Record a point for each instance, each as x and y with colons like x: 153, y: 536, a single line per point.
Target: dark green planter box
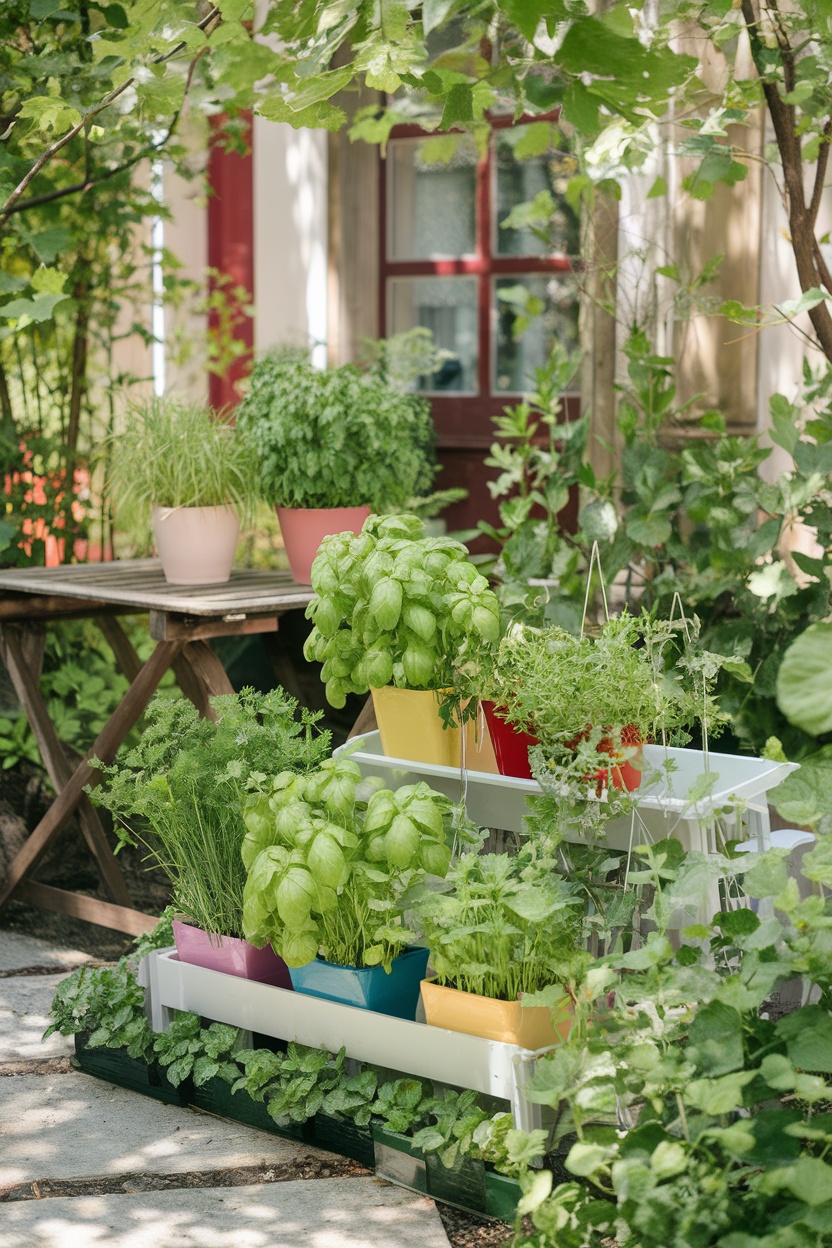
x: 501, y: 1196
x: 397, y: 1159
x: 117, y: 1067
x: 461, y: 1184
x: 216, y: 1097
x: 345, y: 1138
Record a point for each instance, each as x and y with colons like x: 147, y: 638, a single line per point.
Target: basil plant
x: 331, y: 874
x: 395, y: 607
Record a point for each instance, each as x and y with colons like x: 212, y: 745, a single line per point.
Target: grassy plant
x: 180, y: 792
x: 177, y: 454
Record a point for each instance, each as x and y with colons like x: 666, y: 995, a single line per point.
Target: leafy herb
x: 395, y: 607
x: 503, y: 925
x: 335, y: 437
x: 180, y: 792
x: 327, y: 872
x: 188, y: 1049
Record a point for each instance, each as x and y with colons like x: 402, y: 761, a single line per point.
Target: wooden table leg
x: 201, y: 676
x: 15, y: 642
x: 110, y: 738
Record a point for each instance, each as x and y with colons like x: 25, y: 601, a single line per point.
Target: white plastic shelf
x: 486, y: 1066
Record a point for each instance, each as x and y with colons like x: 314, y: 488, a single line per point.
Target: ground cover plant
x: 179, y: 792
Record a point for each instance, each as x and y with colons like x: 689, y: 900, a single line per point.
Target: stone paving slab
x: 19, y: 952
x: 24, y: 1016
x: 321, y: 1213
x: 71, y: 1126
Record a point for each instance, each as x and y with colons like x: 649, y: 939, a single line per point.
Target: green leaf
x: 804, y: 681
x: 719, y: 1096
x: 39, y: 309
x: 434, y: 13
x: 459, y: 106
x: 715, y: 1038
x: 808, y: 1035
x: 805, y: 796
x: 810, y: 1180
x: 323, y: 116
x: 648, y: 529
x: 658, y: 188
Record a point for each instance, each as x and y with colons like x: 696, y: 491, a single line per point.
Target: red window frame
x: 463, y: 421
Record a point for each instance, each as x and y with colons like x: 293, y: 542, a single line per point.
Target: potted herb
x: 190, y: 472
x: 581, y: 697
x: 179, y: 793
x: 501, y: 926
x: 329, y: 878
x: 332, y: 445
x: 398, y: 612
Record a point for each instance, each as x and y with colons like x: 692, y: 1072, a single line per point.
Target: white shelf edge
x: 486, y: 1066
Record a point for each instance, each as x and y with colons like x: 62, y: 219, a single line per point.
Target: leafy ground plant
x: 331, y: 874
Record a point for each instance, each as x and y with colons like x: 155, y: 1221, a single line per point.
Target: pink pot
x: 304, y: 529
x: 230, y: 955
x: 196, y: 544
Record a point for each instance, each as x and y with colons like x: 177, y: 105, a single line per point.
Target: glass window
x: 447, y: 306
x: 527, y: 176
x: 431, y: 197
x: 529, y: 313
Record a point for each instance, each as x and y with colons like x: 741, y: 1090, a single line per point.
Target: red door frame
x: 231, y: 248
x: 463, y: 422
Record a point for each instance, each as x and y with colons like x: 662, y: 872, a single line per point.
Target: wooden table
x: 182, y: 618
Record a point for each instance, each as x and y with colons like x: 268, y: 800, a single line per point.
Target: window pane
x: 531, y: 313
x: 523, y: 174
x: 447, y: 306
x: 431, y: 186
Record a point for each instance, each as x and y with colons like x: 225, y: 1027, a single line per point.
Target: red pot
x: 303, y: 529
x: 511, y: 745
x: 619, y: 773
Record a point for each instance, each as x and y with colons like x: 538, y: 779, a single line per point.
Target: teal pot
x: 134, y: 1073
x: 367, y: 987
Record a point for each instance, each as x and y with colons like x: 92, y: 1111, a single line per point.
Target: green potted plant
x: 332, y: 445
x: 190, y: 472
x: 329, y: 878
x: 581, y: 697
x: 179, y: 794
x: 398, y: 613
x: 500, y: 927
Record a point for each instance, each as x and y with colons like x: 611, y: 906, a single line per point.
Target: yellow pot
x: 411, y: 728
x: 530, y: 1027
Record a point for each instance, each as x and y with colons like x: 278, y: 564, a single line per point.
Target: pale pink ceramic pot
x: 304, y: 529
x: 230, y: 955
x: 196, y: 544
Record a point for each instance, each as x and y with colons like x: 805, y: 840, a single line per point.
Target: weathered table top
x: 139, y: 585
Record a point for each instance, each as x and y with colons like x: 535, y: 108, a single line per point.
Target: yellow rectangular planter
x: 411, y: 728
x: 508, y: 1021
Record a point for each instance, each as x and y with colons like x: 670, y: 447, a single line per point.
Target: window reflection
x: 528, y: 177
x: 431, y: 197
x: 447, y: 306
x: 529, y: 314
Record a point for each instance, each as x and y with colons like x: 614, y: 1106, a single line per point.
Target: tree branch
x: 820, y: 174
x: 88, y: 183
x: 89, y: 116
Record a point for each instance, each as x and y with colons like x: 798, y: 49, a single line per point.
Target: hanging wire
x: 594, y: 561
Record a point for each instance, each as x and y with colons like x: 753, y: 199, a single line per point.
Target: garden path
x: 84, y: 1163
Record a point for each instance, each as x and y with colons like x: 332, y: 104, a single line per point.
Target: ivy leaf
x: 322, y: 116
x: 39, y: 309
x: 527, y: 15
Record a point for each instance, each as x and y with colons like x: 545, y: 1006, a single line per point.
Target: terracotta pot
x: 411, y: 728
x: 196, y: 544
x: 511, y: 745
x: 507, y: 1021
x: 303, y: 529
x: 230, y: 956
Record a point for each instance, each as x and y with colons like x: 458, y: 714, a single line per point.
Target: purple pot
x: 230, y: 956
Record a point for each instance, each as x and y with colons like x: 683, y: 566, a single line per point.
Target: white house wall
x: 290, y: 237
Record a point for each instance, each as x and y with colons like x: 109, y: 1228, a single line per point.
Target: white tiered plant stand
x: 413, y: 1048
